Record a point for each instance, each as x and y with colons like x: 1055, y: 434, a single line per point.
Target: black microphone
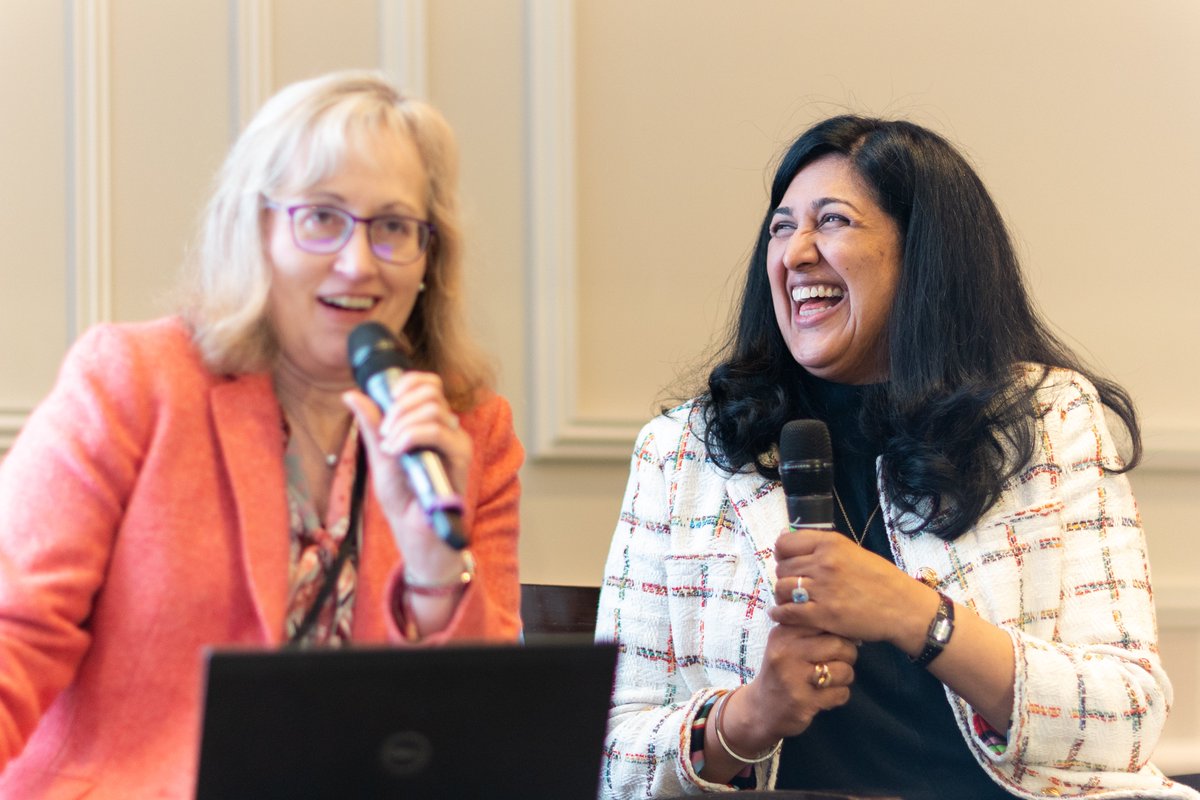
x: 806, y: 470
x: 378, y: 362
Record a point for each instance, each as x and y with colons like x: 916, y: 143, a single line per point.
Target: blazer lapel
x: 250, y: 430
x: 762, y: 509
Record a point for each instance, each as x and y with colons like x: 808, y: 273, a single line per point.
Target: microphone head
x: 805, y: 458
x: 372, y: 349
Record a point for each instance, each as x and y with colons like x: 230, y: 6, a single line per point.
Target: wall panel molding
x: 90, y: 171
x: 1171, y: 448
x: 87, y: 192
x: 558, y: 430
x: 11, y: 421
x: 1178, y: 756
x: 403, y: 48
x: 1177, y: 603
x: 252, y: 76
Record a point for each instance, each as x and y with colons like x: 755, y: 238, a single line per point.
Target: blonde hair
x: 297, y: 139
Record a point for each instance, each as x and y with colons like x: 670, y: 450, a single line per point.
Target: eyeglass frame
x: 429, y: 228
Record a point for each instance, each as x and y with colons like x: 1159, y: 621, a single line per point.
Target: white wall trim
x: 91, y: 143
x: 558, y: 430
x: 1171, y: 448
x: 253, y: 74
x: 1177, y: 604
x: 88, y: 192
x: 1178, y: 756
x: 403, y: 48
x: 11, y: 421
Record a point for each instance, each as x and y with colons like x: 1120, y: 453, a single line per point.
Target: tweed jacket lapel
x: 250, y: 430
x: 761, y: 507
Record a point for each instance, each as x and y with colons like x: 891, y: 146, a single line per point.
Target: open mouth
x: 348, y: 302
x: 815, y: 298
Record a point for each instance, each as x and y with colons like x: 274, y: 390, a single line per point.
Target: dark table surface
x: 785, y: 794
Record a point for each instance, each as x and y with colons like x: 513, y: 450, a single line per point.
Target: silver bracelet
x: 446, y: 588
x: 721, y: 738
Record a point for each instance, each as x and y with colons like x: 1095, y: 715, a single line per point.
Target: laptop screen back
x: 460, y: 721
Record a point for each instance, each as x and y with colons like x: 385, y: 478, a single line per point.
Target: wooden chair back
x: 551, y: 608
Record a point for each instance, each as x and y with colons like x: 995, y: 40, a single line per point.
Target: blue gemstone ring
x: 800, y: 594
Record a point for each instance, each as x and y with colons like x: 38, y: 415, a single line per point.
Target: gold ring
x: 820, y: 675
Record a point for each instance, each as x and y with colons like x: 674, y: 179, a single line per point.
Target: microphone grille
x: 373, y: 348
x: 805, y: 439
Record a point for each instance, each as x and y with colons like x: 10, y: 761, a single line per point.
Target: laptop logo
x: 405, y: 753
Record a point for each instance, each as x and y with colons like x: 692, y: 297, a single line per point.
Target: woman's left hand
x: 856, y: 594
x: 852, y: 592
x: 420, y: 418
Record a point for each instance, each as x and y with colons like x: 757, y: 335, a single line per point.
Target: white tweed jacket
x: 1059, y: 562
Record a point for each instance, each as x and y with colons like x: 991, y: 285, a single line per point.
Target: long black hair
x: 953, y: 421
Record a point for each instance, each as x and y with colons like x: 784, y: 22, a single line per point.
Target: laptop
x: 489, y: 721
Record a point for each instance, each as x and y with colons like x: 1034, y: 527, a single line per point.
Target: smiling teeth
x: 350, y: 302
x: 802, y: 293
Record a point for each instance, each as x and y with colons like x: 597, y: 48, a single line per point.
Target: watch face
x: 941, y: 630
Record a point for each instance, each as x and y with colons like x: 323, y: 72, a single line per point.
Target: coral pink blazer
x: 143, y: 517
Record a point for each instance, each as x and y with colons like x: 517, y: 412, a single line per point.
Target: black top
x: 897, y: 734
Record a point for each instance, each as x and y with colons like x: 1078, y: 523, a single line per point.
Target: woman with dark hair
x: 988, y: 550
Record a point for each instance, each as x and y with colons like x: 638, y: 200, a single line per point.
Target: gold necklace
x: 330, y: 458
x: 853, y: 533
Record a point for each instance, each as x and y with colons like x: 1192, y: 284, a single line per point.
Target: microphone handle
x: 810, y: 511
x: 442, y: 506
x: 425, y: 472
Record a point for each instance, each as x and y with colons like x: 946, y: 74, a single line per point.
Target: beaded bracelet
x: 699, y: 723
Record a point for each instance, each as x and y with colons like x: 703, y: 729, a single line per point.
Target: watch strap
x: 940, y: 630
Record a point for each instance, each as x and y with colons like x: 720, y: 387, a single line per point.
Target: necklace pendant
x: 331, y: 460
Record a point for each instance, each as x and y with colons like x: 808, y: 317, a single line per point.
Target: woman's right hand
x: 783, y: 698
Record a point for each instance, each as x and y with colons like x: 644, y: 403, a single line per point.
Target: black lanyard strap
x: 347, y: 549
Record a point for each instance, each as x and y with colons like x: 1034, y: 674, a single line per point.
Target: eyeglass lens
x: 325, y: 229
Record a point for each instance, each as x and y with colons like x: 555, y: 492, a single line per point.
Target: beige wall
x: 614, y: 161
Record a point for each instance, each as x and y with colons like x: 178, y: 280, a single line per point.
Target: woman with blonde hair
x: 215, y: 478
